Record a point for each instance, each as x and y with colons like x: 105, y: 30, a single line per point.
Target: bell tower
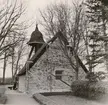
x: 36, y: 40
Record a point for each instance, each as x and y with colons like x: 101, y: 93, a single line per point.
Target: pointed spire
x: 36, y: 29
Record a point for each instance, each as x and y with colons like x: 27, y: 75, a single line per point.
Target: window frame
x: 58, y: 74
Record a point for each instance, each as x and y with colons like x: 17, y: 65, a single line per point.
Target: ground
x: 73, y: 100
x: 17, y: 98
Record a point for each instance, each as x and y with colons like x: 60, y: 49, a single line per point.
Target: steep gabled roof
x: 42, y: 50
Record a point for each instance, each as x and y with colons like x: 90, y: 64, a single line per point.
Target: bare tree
x: 62, y: 17
x: 10, y: 28
x: 20, y: 53
x: 9, y: 25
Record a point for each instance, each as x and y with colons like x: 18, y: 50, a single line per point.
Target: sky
x: 32, y: 11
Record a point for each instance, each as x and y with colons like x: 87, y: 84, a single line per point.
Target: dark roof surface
x: 36, y: 37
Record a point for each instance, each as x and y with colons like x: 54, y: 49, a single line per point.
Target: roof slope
x: 36, y: 56
x: 34, y: 59
x: 41, y: 51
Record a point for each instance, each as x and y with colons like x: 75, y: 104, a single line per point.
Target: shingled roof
x: 36, y: 37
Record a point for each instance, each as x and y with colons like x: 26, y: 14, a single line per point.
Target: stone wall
x: 42, y: 73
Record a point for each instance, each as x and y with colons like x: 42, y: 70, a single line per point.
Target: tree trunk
x: 4, y: 68
x: 77, y: 77
x: 104, y: 28
x: 17, y: 64
x: 12, y: 64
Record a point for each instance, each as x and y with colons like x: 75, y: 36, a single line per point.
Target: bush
x: 87, y: 89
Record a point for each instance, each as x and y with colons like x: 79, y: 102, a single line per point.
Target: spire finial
x: 36, y: 26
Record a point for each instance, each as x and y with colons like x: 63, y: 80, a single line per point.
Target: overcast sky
x: 33, y: 6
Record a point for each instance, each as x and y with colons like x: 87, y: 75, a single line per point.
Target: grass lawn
x: 73, y: 100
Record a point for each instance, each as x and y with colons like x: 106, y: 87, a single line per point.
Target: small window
x: 58, y: 74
